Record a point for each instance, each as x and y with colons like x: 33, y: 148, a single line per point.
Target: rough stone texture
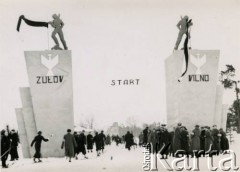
x: 28, y: 116
x: 22, y: 133
x: 191, y: 102
x: 52, y: 102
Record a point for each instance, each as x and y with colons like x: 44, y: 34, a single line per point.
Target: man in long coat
x: 208, y: 140
x: 15, y: 140
x: 128, y: 140
x: 177, y: 138
x: 5, y: 147
x: 145, y: 136
x: 154, y: 141
x: 69, y: 142
x: 97, y: 140
x: 195, y: 146
x: 103, y: 139
x: 202, y: 138
x: 164, y: 141
x: 76, y: 149
x: 216, y: 139
x: 224, y: 140
x: 185, y: 140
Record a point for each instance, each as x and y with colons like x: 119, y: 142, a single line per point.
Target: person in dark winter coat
x: 140, y: 139
x: 185, y: 141
x: 38, y: 141
x: 224, y: 140
x: 76, y: 149
x: 89, y: 142
x: 97, y: 140
x: 128, y: 140
x: 154, y: 141
x: 208, y: 140
x: 164, y: 141
x: 177, y: 138
x: 171, y: 134
x: 202, y: 138
x: 5, y: 148
x: 15, y: 140
x: 117, y: 140
x: 82, y: 143
x: 69, y: 142
x: 195, y: 138
x: 145, y: 136
x: 216, y: 139
x: 108, y: 140
x: 103, y: 139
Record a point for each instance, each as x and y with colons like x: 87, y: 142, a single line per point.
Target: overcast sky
x: 114, y: 39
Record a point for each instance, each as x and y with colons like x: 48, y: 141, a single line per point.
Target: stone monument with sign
x: 51, y: 95
x: 197, y: 99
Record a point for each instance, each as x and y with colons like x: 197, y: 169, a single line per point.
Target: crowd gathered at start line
x: 162, y: 141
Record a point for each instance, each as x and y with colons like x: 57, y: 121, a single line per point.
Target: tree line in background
x: 229, y: 81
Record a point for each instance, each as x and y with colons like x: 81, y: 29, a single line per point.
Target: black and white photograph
x: 120, y: 85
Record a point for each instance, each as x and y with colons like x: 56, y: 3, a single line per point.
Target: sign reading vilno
x: 198, y: 61
x: 49, y: 62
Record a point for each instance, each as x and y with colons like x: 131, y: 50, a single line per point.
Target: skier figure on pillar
x: 57, y: 24
x: 184, y: 28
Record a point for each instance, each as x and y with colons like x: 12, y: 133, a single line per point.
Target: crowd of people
x: 9, y: 144
x: 168, y: 143
x: 198, y: 142
x: 77, y: 143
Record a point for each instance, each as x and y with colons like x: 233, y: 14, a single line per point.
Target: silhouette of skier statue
x: 184, y: 28
x: 58, y: 24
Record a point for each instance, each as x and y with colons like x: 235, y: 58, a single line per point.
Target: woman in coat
x: 89, y: 142
x: 38, y: 141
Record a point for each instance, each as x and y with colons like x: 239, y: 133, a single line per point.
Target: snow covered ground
x: 114, y: 159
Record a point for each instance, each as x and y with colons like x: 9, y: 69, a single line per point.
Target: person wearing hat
x: 185, y: 140
x: 154, y: 140
x: 70, y: 143
x: 202, y: 138
x: 216, y: 139
x: 15, y: 140
x: 195, y: 136
x: 208, y: 140
x: 89, y: 142
x: 5, y: 147
x: 103, y: 139
x: 128, y: 140
x: 82, y: 143
x: 224, y: 140
x: 164, y: 140
x: 177, y: 138
x: 38, y: 141
x: 97, y: 141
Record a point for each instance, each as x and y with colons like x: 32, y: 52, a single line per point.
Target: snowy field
x: 114, y: 159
